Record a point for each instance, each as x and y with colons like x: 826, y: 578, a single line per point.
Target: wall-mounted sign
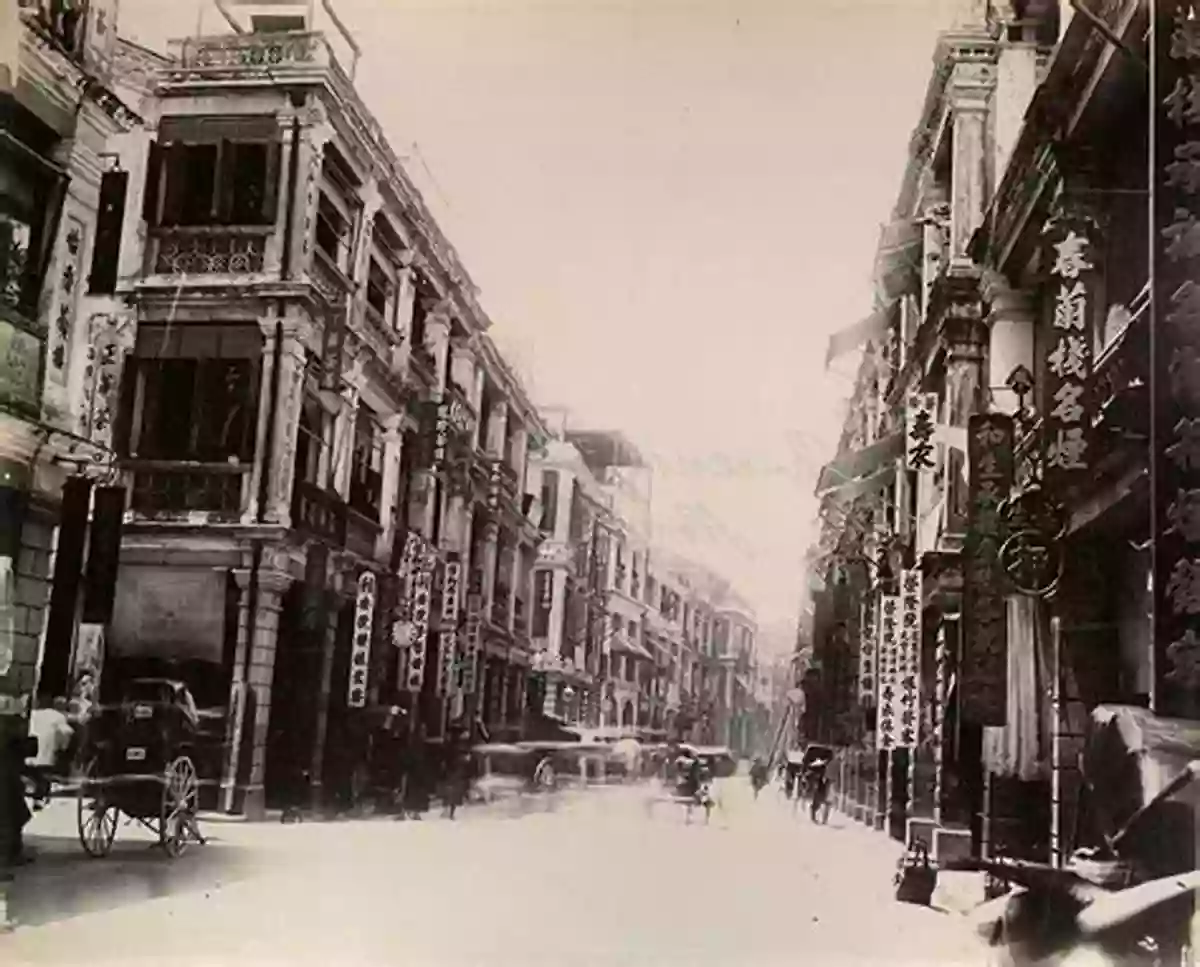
x: 868, y: 646
x: 1066, y: 403
x: 908, y: 679
x: 983, y: 684
x: 20, y: 369
x: 360, y: 643
x: 441, y: 435
x: 1175, y: 362
x: 448, y: 633
x: 888, y: 673
x: 919, y: 416
x: 471, y: 641
x: 422, y: 594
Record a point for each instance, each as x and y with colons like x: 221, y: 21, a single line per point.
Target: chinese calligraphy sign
x: 448, y: 626
x: 984, y: 672
x: 471, y: 637
x: 868, y: 646
x: 1175, y: 359
x: 908, y: 677
x: 360, y: 643
x: 421, y: 598
x: 1066, y: 404
x: 919, y: 418
x: 888, y: 674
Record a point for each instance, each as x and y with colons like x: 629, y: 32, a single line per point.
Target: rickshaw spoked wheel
x: 96, y: 819
x: 177, y: 820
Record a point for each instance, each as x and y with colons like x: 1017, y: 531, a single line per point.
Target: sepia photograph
x: 607, y: 483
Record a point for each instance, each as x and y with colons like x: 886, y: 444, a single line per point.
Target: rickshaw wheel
x: 96, y: 819
x: 177, y: 821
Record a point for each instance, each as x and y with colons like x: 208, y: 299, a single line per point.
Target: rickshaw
x: 1127, y: 893
x: 142, y: 763
x: 690, y: 790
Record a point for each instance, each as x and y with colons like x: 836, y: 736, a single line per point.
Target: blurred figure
x: 759, y: 775
x: 818, y: 787
x: 48, y: 724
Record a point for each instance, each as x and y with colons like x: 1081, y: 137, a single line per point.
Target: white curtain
x: 1017, y: 749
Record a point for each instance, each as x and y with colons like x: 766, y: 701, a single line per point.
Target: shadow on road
x: 64, y: 882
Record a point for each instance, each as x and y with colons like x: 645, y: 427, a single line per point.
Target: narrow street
x: 593, y: 882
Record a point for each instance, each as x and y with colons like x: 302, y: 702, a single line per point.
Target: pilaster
x: 316, y: 131
x: 497, y: 428
x: 1010, y: 321
x: 344, y: 426
x: 971, y: 84
x: 393, y: 446
x: 281, y: 460
x: 437, y: 341
x: 491, y: 546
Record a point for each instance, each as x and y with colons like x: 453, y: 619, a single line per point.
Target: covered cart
x: 142, y: 763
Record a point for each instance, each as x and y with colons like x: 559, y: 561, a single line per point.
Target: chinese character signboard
x: 422, y: 595
x: 868, y: 647
x: 448, y: 633
x: 543, y: 601
x: 1175, y: 361
x: 908, y: 660
x: 984, y: 674
x: 441, y: 436
x: 471, y: 636
x: 1071, y: 260
x: 919, y: 419
x: 887, y: 672
x: 360, y: 644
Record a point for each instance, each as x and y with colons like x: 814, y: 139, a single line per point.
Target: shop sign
x: 20, y: 369
x: 543, y: 601
x: 1175, y: 361
x: 471, y: 636
x: 448, y: 634
x: 886, y: 718
x: 984, y: 674
x: 919, y: 430
x: 360, y: 646
x: 422, y: 594
x: 908, y: 676
x: 868, y: 646
x: 1066, y: 403
x: 441, y: 436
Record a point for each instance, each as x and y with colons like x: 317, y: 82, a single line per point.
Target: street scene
x: 674, y: 481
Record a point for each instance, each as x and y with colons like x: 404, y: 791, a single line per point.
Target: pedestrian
x: 48, y: 724
x: 818, y: 785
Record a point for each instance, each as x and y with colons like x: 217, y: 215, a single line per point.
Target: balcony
x: 208, y: 250
x: 169, y: 489
x: 319, y: 513
x: 327, y: 278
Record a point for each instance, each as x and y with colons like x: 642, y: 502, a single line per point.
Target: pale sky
x: 668, y: 206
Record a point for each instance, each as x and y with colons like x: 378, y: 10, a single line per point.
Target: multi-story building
x: 1023, y: 317
x: 325, y: 455
x: 58, y: 110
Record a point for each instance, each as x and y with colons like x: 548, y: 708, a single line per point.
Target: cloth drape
x: 1019, y: 749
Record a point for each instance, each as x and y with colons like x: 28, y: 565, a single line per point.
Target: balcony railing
x: 319, y: 512
x: 242, y: 51
x: 208, y: 250
x: 170, y: 488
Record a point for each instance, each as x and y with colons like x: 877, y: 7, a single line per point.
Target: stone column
x: 965, y: 338
x: 315, y: 132
x: 257, y: 637
x: 970, y: 89
x: 462, y: 367
x: 393, y: 445
x: 280, y: 463
x: 344, y: 426
x: 437, y: 341
x: 491, y: 541
x: 521, y: 458
x: 496, y: 429
x: 1010, y: 320
x: 273, y: 254
x: 1016, y: 80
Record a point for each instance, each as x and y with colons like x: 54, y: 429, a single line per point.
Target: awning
x: 874, y: 326
x: 849, y: 492
x: 848, y: 467
x: 621, y: 642
x: 898, y: 259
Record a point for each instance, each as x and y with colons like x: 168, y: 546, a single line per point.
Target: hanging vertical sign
x: 908, y: 673
x: 918, y: 431
x: 441, y: 435
x: 983, y: 681
x: 941, y: 662
x: 495, y: 476
x: 360, y: 645
x: 1067, y: 389
x: 422, y: 593
x: 448, y: 631
x: 886, y: 717
x: 471, y: 635
x: 868, y: 647
x: 1175, y: 361
x: 543, y: 601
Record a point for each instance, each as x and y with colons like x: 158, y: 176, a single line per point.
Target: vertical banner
x: 471, y: 635
x: 441, y: 436
x: 868, y: 646
x: 360, y: 643
x: 1066, y: 403
x: 983, y: 675
x: 919, y: 416
x: 422, y: 594
x: 908, y: 676
x: 448, y: 625
x: 941, y: 658
x: 543, y: 602
x: 887, y: 672
x: 1175, y: 360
